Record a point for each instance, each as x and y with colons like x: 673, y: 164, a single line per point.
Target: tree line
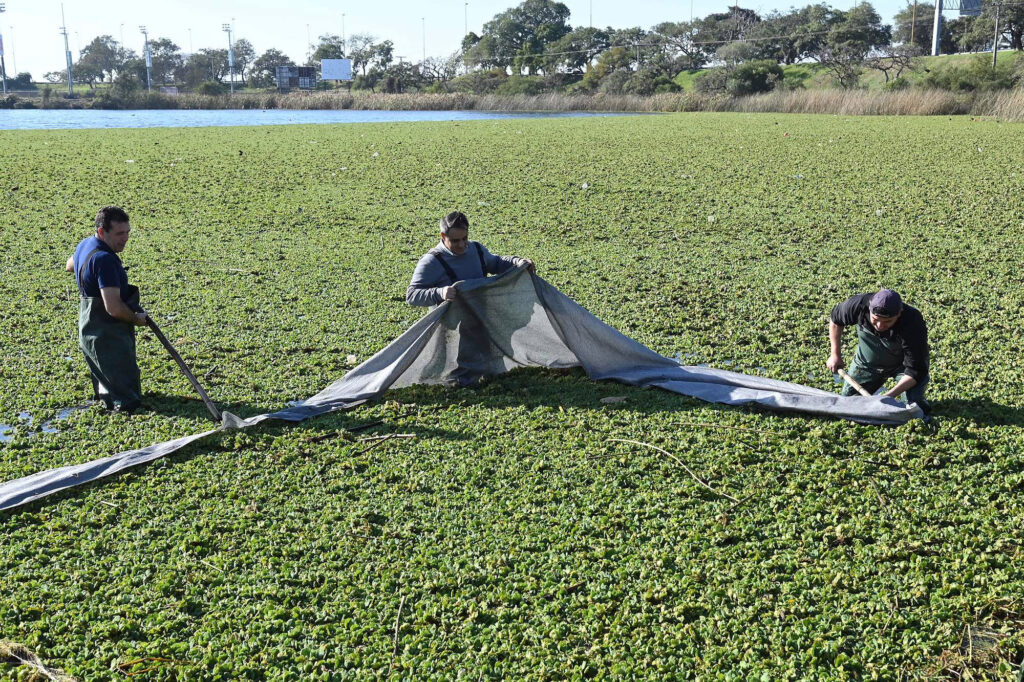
x: 532, y: 47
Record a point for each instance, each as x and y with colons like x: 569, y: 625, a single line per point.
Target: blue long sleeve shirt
x: 430, y: 276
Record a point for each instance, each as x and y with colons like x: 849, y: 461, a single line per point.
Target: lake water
x: 54, y: 119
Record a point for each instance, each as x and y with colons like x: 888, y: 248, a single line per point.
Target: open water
x: 54, y: 119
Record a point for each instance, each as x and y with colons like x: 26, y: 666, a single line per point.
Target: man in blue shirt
x: 108, y: 311
x: 453, y: 260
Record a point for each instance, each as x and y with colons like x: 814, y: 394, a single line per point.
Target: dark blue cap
x: 886, y: 303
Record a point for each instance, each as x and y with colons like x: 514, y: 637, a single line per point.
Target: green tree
x: 678, y: 40
x: 101, y: 56
x: 245, y: 55
x: 577, y: 49
x: 167, y: 59
x: 922, y: 23
x: 264, y: 68
x: 520, y: 35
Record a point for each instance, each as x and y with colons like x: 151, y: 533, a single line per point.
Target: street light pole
x: 231, y: 56
x: 14, y: 55
x: 149, y: 58
x: 3, y: 67
x: 344, y: 45
x: 424, y: 20
x: 995, y: 38
x: 67, y: 50
x: 465, y: 20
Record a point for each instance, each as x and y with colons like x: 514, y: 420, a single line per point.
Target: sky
x: 33, y: 43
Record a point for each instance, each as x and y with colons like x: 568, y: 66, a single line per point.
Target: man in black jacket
x: 892, y: 341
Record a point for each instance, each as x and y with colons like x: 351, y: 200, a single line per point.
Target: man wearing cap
x: 892, y: 341
x: 109, y: 312
x: 453, y: 260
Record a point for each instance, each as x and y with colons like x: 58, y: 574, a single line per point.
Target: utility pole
x: 424, y: 20
x: 913, y: 23
x: 231, y: 56
x: 149, y: 58
x: 995, y: 38
x: 344, y: 45
x: 3, y: 67
x: 465, y: 20
x: 937, y: 28
x: 14, y: 55
x: 67, y: 50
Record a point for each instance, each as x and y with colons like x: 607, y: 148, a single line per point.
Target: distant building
x: 295, y: 77
x: 970, y: 8
x: 169, y: 90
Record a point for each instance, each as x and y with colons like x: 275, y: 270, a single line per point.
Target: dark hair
x: 454, y: 220
x: 109, y: 215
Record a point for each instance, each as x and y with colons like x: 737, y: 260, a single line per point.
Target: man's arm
x: 496, y: 265
x: 421, y: 291
x: 117, y: 309
x: 835, y: 337
x: 902, y: 386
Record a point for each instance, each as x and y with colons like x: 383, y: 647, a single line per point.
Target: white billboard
x: 336, y: 70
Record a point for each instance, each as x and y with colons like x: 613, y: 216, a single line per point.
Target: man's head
x: 455, y: 232
x: 885, y: 307
x: 112, y: 227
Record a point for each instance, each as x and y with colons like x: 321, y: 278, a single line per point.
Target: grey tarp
x: 494, y: 325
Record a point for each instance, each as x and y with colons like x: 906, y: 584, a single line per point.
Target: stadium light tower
x: 149, y: 58
x: 67, y: 50
x: 231, y: 56
x: 3, y: 67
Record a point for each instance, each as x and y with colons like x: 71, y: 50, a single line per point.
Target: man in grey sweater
x: 456, y: 259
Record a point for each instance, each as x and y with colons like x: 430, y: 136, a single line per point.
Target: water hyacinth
x: 514, y: 536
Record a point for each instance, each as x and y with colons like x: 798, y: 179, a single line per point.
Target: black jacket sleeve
x: 914, y: 333
x: 850, y: 311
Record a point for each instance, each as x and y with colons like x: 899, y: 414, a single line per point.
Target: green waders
x: 109, y: 348
x: 877, y: 359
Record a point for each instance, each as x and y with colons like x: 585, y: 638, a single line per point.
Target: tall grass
x: 1007, y: 105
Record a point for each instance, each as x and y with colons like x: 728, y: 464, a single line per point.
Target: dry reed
x: 1005, y: 105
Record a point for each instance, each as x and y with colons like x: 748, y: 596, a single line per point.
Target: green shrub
x: 976, y: 74
x: 711, y: 81
x: 759, y: 75
x: 212, y: 88
x: 897, y: 84
x: 520, y: 85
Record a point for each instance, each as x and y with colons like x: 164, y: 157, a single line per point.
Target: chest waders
x: 108, y: 345
x: 473, y: 341
x: 877, y: 359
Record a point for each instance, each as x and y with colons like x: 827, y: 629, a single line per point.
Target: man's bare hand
x: 449, y: 293
x: 835, y: 363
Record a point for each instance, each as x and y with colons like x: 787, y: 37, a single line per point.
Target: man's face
x: 884, y: 324
x: 116, y: 236
x: 456, y: 241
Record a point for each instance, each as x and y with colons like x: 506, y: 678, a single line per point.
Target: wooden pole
x: 853, y: 382
x: 214, y: 412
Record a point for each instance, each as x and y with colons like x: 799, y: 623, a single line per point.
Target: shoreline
x: 1005, y: 105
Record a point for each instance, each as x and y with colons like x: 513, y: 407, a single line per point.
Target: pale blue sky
x: 33, y: 42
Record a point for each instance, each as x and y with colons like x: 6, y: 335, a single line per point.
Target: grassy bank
x: 1006, y: 105
x: 512, y: 538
